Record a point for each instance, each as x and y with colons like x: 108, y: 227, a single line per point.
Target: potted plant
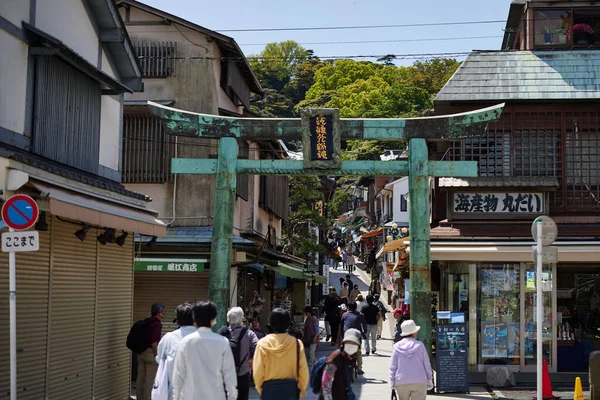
x: 581, y: 34
x: 549, y: 30
x: 562, y: 33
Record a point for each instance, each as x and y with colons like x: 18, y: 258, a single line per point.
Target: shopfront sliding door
x: 501, y: 299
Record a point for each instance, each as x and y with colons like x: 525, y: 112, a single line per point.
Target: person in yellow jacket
x: 280, y: 370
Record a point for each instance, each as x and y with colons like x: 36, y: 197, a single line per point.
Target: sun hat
x: 352, y: 335
x: 409, y: 327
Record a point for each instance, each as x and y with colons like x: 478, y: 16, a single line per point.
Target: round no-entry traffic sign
x: 20, y: 212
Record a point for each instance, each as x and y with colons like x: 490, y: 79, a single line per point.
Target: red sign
x: 20, y: 212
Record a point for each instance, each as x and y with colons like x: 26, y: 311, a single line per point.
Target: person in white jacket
x: 204, y: 368
x: 169, y: 344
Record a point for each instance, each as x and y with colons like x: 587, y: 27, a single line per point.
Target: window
x: 157, y: 59
x: 234, y: 84
x: 403, y: 203
x: 274, y: 195
x: 147, y: 150
x: 242, y: 180
x: 66, y: 115
x: 537, y: 144
x: 551, y: 26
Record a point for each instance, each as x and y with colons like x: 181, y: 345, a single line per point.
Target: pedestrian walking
x: 280, y: 371
x: 243, y: 342
x: 353, y: 294
x: 383, y: 310
x: 360, y: 302
x: 204, y: 368
x: 342, y: 309
x: 147, y: 365
x: 351, y: 262
x: 375, y: 287
x: 169, y: 344
x: 355, y: 320
x: 344, y: 259
x: 310, y: 336
x: 372, y: 315
x: 399, y: 317
x: 332, y: 321
x: 336, y: 380
x: 410, y: 369
x: 344, y: 291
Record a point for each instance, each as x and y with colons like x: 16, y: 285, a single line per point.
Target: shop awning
x: 372, y: 233
x: 256, y: 266
x: 318, y: 278
x: 290, y: 272
x: 395, y: 245
x: 95, y: 211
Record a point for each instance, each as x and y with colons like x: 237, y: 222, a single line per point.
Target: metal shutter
x: 112, y: 359
x: 71, y: 313
x: 32, y: 318
x: 169, y: 288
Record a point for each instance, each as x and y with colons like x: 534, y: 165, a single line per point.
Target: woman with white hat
x: 336, y: 380
x: 410, y: 369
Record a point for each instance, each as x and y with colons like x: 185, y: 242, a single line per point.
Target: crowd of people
x: 193, y: 362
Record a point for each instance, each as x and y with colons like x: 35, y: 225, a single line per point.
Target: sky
x: 237, y: 14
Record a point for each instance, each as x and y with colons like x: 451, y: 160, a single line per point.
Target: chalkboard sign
x: 452, y: 357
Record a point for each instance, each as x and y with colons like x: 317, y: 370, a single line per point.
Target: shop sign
x: 498, y: 203
x: 167, y: 265
x: 321, y: 138
x: 452, y: 358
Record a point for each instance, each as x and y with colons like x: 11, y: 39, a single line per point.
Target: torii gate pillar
x: 322, y: 132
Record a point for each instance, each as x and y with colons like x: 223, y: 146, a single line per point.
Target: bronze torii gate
x: 321, y: 131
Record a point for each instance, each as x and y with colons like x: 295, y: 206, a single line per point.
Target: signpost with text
x: 322, y: 131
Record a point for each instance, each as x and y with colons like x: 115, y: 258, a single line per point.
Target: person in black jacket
x: 332, y: 315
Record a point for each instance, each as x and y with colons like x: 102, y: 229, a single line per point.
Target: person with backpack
x: 243, y: 342
x: 383, y: 310
x: 355, y: 320
x: 372, y: 316
x: 279, y: 368
x: 169, y: 344
x: 143, y: 340
x: 204, y: 368
x: 332, y: 315
x: 330, y: 377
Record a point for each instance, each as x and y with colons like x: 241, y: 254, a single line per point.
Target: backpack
x: 137, y: 339
x: 316, y: 374
x: 236, y: 348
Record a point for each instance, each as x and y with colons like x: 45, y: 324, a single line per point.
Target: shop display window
x: 499, y: 308
x: 530, y: 317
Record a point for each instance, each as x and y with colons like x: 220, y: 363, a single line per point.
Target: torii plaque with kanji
x: 322, y: 132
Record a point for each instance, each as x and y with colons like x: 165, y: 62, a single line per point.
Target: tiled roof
x: 193, y: 235
x: 525, y: 75
x: 68, y: 172
x: 503, y: 181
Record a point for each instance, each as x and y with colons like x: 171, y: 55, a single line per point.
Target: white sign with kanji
x: 20, y: 241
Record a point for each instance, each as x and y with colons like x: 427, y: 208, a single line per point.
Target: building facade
x: 64, y: 70
x: 540, y: 158
x: 189, y: 67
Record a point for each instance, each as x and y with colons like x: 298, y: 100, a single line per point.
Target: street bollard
x: 595, y: 375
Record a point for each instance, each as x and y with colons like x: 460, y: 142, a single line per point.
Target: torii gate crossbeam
x: 418, y: 168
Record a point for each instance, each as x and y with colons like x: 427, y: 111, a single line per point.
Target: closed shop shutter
x: 32, y: 318
x: 113, y: 320
x: 71, y: 313
x: 169, y: 288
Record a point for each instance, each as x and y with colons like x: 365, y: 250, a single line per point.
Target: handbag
x: 283, y: 389
x: 160, y: 388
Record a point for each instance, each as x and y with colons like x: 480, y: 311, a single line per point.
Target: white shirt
x: 167, y: 348
x: 203, y: 365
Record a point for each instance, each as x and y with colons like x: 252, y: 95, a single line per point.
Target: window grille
x: 156, y: 59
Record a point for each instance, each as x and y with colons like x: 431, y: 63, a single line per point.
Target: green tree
x: 277, y: 64
x: 299, y: 232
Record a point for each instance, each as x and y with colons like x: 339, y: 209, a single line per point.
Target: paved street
x: 374, y: 384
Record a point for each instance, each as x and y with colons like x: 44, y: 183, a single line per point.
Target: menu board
x: 452, y: 358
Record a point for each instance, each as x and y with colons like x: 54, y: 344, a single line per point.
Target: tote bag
x: 160, y: 389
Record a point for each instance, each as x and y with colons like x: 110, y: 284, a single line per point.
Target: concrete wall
x: 68, y: 21
x: 161, y: 194
x: 13, y: 81
x: 15, y: 11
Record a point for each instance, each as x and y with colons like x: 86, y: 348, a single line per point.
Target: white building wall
x: 107, y: 68
x: 400, y: 189
x: 15, y: 11
x: 68, y: 21
x: 13, y: 82
x: 110, y: 125
x: 160, y: 194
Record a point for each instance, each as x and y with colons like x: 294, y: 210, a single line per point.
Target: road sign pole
x: 12, y: 289
x: 540, y: 305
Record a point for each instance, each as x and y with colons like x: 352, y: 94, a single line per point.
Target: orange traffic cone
x: 578, y: 389
x: 546, y: 384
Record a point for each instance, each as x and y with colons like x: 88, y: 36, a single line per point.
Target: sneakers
x: 373, y: 352
x: 378, y: 337
x: 328, y: 337
x: 360, y: 372
x: 367, y: 354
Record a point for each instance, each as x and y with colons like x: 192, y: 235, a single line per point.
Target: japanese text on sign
x: 168, y: 266
x: 513, y: 203
x: 321, y: 137
x: 20, y: 241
